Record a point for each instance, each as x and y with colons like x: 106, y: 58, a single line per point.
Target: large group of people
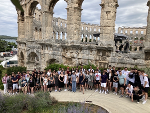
x: 133, y: 84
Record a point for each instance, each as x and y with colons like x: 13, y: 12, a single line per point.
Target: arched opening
x: 57, y: 7
x: 51, y: 61
x: 35, y: 13
x: 140, y: 49
x: 33, y: 7
x: 86, y: 6
x: 21, y: 58
x: 32, y: 57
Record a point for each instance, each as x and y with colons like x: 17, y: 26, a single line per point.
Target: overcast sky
x: 131, y: 13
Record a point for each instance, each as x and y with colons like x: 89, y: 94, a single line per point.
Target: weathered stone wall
x: 43, y: 39
x: 136, y: 34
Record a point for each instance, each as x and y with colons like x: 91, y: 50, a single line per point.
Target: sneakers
x: 65, y: 90
x: 100, y: 91
x: 127, y: 96
x: 105, y: 93
x: 116, y: 93
x: 144, y: 101
x: 55, y: 90
x: 143, y: 98
x: 96, y: 90
x: 121, y: 96
x: 13, y: 93
x: 137, y: 102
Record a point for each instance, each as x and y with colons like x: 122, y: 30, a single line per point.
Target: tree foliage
x: 6, y: 46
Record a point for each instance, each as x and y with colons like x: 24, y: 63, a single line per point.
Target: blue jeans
x: 74, y: 86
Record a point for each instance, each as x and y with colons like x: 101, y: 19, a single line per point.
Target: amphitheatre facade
x: 43, y: 39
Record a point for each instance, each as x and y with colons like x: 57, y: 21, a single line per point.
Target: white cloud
x: 131, y: 13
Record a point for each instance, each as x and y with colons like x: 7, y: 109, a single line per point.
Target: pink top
x: 4, y: 79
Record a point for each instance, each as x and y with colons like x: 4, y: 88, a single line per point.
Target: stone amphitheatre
x: 43, y: 39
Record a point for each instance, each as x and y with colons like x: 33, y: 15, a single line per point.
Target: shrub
x: 18, y: 103
x: 88, y: 66
x: 56, y: 67
x: 1, y: 84
x: 15, y: 70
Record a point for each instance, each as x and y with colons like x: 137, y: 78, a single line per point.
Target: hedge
x: 15, y: 70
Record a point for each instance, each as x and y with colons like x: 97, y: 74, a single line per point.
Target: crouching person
x: 24, y: 85
x: 137, y: 94
x: 129, y: 90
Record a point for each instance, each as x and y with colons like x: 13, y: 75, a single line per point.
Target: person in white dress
x: 45, y: 82
x: 66, y: 80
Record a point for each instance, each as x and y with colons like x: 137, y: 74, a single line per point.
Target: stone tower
x: 147, y: 40
x: 107, y: 22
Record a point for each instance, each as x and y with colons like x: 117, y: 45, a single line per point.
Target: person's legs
x: 25, y: 90
x: 83, y: 88
x: 5, y: 88
x: 74, y: 86
x: 44, y: 88
x: 122, y: 90
x: 13, y: 88
x: 32, y: 90
x: 80, y: 87
x: 110, y: 85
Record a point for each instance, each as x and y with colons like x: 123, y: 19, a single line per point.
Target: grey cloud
x: 129, y: 13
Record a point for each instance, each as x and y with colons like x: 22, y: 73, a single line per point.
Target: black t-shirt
x: 113, y: 72
x: 138, y: 92
x: 24, y: 82
x: 137, y: 78
x: 14, y: 79
x: 131, y: 75
x: 115, y: 77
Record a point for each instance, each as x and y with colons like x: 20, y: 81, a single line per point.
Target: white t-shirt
x: 90, y: 70
x: 77, y: 74
x: 97, y: 75
x: 130, y: 89
x: 141, y: 79
x: 59, y: 72
x: 146, y: 80
x: 48, y: 73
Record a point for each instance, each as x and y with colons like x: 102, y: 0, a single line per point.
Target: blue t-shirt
x: 121, y: 79
x: 104, y: 78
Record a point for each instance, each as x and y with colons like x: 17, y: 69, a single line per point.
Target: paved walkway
x: 111, y: 102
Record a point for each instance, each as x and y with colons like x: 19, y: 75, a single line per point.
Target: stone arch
x: 32, y: 7
x: 21, y: 58
x: 51, y: 61
x: 52, y: 4
x: 79, y: 2
x: 33, y: 57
